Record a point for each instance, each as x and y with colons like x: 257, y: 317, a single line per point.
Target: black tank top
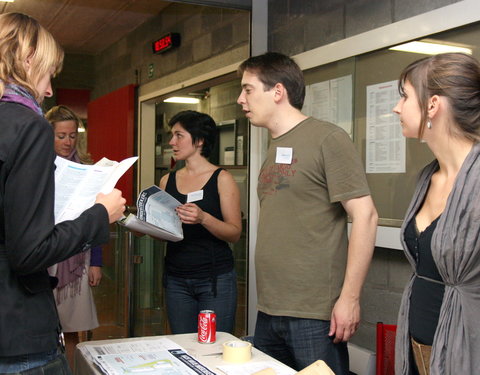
x: 200, y: 254
x: 427, y: 296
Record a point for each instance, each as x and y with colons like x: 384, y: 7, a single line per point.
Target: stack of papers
x: 150, y: 357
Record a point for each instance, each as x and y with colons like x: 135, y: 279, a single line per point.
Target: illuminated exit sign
x: 166, y: 43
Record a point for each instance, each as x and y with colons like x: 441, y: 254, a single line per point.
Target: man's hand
x: 345, y: 319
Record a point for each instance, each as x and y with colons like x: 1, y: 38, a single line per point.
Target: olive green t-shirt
x: 301, y: 248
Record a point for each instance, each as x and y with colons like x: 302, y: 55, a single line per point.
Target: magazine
x: 156, y: 215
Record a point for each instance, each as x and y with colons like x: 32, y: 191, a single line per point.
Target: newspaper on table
x: 156, y: 215
x: 153, y: 357
x: 77, y: 185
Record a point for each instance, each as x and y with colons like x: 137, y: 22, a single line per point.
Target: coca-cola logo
x: 203, y: 325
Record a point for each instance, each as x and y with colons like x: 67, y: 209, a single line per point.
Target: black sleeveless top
x: 427, y: 296
x: 200, y: 254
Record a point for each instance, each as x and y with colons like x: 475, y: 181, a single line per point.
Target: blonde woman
x: 30, y: 242
x: 75, y: 304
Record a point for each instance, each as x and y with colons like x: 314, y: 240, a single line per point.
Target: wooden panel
x: 111, y: 127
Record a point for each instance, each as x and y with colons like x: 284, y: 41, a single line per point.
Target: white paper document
x: 156, y: 215
x: 331, y: 101
x: 385, y: 145
x: 161, y: 356
x: 77, y: 185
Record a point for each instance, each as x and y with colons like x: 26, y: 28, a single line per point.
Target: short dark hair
x: 200, y: 126
x: 272, y: 68
x: 455, y: 76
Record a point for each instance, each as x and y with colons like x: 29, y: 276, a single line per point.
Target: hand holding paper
x: 114, y: 204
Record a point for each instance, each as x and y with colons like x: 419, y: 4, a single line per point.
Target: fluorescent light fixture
x: 429, y: 48
x: 182, y: 100
x: 7, y: 1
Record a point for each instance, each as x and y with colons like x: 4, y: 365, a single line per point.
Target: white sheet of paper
x: 77, y: 185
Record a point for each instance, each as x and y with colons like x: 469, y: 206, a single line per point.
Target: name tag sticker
x: 284, y: 155
x: 195, y: 196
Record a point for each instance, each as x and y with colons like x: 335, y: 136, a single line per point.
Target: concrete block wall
x: 297, y: 26
x: 223, y: 101
x: 382, y: 293
x: 205, y: 32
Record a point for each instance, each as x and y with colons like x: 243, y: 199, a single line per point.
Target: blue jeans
x: 299, y: 342
x: 52, y: 362
x: 187, y: 297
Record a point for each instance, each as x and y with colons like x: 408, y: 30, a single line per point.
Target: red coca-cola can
x: 207, y: 327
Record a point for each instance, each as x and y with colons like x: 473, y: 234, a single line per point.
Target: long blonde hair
x: 63, y: 113
x: 23, y: 39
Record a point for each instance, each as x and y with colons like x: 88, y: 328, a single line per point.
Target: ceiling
x: 90, y: 26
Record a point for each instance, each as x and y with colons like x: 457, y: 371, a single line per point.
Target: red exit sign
x: 166, y: 43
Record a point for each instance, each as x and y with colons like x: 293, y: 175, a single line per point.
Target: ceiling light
x: 7, y: 1
x: 430, y: 48
x: 182, y: 99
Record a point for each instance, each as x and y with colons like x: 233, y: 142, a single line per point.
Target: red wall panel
x: 111, y: 127
x: 76, y: 99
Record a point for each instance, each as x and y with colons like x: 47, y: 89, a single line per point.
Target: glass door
x: 130, y: 299
x: 219, y: 100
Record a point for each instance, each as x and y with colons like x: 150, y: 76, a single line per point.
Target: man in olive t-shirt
x: 309, y: 275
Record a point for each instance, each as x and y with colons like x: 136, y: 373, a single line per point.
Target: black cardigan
x: 30, y: 242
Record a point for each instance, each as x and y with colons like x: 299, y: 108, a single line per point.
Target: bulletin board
x: 391, y: 192
x: 392, y: 186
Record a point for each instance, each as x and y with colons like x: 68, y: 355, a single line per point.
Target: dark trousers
x: 187, y: 297
x: 299, y: 342
x: 57, y: 366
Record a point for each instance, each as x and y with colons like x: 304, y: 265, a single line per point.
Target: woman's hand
x: 94, y: 275
x: 190, y: 213
x: 114, y: 204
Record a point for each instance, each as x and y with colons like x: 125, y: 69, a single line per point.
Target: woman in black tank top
x: 199, y: 270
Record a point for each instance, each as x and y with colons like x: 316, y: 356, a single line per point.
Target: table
x: 209, y: 355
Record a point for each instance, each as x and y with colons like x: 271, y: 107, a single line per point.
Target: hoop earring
x: 429, y: 124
